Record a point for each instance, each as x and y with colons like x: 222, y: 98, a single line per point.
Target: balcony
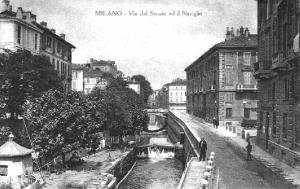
x: 212, y: 88
x: 242, y: 87
x: 278, y: 63
x: 262, y: 69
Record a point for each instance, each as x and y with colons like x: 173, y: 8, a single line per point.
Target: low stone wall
x: 120, y: 169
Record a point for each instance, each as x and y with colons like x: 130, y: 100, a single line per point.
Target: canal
x: 158, y: 171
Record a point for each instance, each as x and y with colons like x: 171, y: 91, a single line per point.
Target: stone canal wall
x: 179, y: 133
x: 121, y: 167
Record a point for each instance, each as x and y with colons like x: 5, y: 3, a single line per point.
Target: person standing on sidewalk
x: 249, y: 150
x: 203, y: 149
x: 215, y: 122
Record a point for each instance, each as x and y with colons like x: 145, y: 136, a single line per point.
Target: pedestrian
x: 249, y: 150
x: 202, y: 148
x: 215, y: 122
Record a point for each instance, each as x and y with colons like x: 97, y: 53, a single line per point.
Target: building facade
x: 176, y: 94
x: 20, y: 30
x: 278, y: 75
x: 220, y: 83
x: 85, y: 77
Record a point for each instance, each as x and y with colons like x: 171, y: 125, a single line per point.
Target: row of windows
x: 274, y: 127
x: 61, y: 67
x: 25, y: 38
x: 177, y: 100
x: 177, y: 93
x: 56, y: 47
x: 284, y: 89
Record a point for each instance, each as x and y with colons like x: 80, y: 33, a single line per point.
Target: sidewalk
x: 291, y: 174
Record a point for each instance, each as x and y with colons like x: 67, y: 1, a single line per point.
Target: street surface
x: 235, y: 171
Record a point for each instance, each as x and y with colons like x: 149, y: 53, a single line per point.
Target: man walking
x: 249, y: 149
x: 215, y: 122
x: 203, y: 148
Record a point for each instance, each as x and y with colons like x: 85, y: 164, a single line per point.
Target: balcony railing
x: 242, y: 87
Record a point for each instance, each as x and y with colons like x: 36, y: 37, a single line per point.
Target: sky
x: 158, y: 47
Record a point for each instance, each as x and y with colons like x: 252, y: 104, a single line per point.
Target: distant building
x: 85, y: 77
x: 278, y: 74
x: 220, y: 83
x: 177, y: 94
x: 19, y: 30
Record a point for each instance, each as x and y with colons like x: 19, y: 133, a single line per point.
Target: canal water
x: 159, y: 171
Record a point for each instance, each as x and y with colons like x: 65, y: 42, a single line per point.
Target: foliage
x: 146, y: 89
x: 4, y: 132
x: 61, y: 123
x: 24, y: 75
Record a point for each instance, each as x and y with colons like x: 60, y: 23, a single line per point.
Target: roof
x: 177, y: 82
x: 12, y: 149
x: 93, y: 73
x: 47, y: 30
x: 12, y: 15
x: 235, y: 43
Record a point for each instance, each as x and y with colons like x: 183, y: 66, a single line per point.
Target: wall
x: 121, y: 168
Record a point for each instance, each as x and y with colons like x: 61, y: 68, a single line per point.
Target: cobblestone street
x: 235, y: 170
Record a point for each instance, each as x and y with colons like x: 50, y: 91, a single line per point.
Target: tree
x: 60, y: 123
x: 146, y: 89
x: 24, y: 75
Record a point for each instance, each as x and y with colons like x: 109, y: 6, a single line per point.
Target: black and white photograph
x: 149, y: 94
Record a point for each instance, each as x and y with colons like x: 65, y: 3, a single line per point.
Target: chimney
x: 10, y: 8
x: 227, y: 34
x: 232, y: 32
x: 19, y: 13
x: 33, y: 18
x: 4, y: 5
x: 247, y: 32
x: 53, y: 31
x: 63, y: 36
x: 27, y: 16
x: 242, y: 30
x: 44, y: 24
x: 238, y: 32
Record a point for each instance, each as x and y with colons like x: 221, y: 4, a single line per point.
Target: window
x: 286, y: 89
x: 53, y: 61
x: 19, y: 35
x: 58, y: 47
x: 229, y: 77
x: 284, y: 126
x: 170, y: 93
x: 63, y: 51
x: 229, y: 97
x: 274, y: 124
x: 35, y: 41
x: 247, y: 113
x: 87, y: 80
x: 74, y: 85
x: 49, y: 42
x: 273, y: 91
x: 247, y: 78
x: 228, y: 112
x: 54, y: 45
x: 3, y: 170
x: 57, y: 65
x: 247, y: 58
x: 43, y: 42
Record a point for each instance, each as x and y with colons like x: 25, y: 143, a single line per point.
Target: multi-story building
x: 85, y: 77
x: 20, y: 30
x: 220, y: 83
x: 176, y: 94
x: 278, y: 75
